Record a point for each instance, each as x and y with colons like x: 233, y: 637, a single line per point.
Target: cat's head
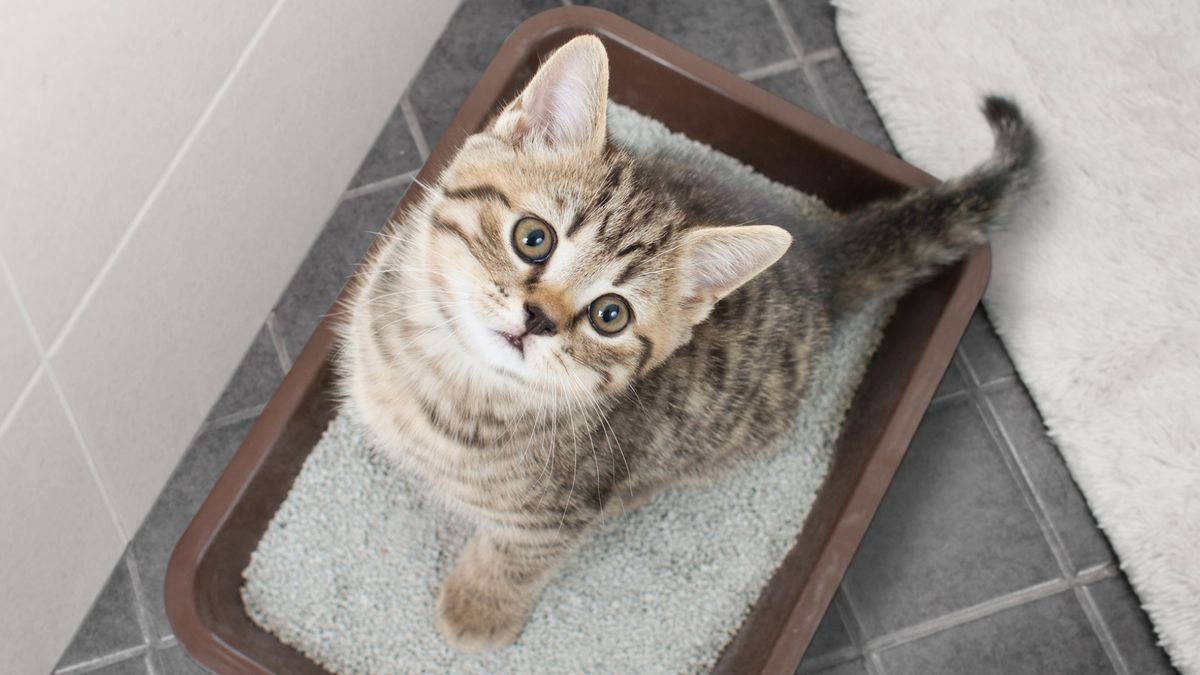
x: 553, y: 261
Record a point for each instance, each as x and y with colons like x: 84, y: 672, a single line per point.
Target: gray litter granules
x: 349, y: 569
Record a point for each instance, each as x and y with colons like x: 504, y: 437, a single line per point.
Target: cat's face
x: 553, y: 263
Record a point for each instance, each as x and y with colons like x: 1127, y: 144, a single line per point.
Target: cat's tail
x: 891, y: 245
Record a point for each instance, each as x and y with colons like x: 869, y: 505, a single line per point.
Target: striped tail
x: 892, y: 245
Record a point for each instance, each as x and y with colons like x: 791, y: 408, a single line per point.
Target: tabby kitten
x: 543, y: 339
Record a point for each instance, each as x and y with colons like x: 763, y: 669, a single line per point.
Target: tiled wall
x: 166, y: 165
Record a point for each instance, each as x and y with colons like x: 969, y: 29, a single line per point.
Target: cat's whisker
x: 605, y: 427
x: 574, y: 457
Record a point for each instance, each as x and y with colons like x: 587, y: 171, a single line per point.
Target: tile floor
x: 983, y: 557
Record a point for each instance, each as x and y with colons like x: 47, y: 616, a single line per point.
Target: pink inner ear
x: 560, y: 105
x: 723, y: 258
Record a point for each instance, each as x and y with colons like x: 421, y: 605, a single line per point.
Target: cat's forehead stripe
x: 601, y: 207
x: 483, y: 191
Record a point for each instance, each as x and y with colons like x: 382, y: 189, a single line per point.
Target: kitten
x: 561, y: 329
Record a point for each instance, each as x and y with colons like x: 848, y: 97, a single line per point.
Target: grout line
x: 837, y: 656
x: 1102, y: 630
x: 87, y: 454
x: 810, y: 72
x: 139, y: 596
x: 1020, y: 474
x: 1017, y: 468
x: 44, y: 367
x: 999, y: 383
x: 829, y: 660
x: 872, y: 663
x: 988, y: 608
x: 26, y: 390
x: 225, y: 420
x: 945, y: 399
x: 153, y: 663
x: 856, y: 631
x: 818, y: 87
x: 822, y: 55
x: 785, y: 25
x: 972, y: 374
x: 168, y: 641
x: 1098, y: 572
x: 101, y: 661
x: 777, y: 68
x: 163, y: 179
x: 1016, y: 465
x: 280, y: 345
x: 414, y: 126
x: 378, y: 185
x: 849, y: 615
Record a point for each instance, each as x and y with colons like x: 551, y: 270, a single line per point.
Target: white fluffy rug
x: 1096, y: 290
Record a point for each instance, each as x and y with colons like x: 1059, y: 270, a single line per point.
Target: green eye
x: 533, y: 240
x: 609, y: 314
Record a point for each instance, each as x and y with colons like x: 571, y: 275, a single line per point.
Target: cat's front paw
x: 474, y: 615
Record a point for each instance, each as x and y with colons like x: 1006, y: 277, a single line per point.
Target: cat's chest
x: 484, y: 458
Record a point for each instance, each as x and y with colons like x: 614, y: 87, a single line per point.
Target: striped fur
x: 537, y: 443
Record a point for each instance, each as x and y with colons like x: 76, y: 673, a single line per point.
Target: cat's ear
x: 717, y: 260
x: 563, y: 107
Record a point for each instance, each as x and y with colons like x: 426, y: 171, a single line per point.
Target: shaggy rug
x: 1096, y: 288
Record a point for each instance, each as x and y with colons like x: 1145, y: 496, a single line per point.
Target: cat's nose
x: 536, y: 321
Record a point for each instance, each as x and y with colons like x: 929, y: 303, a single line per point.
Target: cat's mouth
x: 517, y: 342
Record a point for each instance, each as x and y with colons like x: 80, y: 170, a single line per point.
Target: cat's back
x: 734, y: 386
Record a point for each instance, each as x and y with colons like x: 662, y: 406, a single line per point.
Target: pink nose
x: 536, y: 321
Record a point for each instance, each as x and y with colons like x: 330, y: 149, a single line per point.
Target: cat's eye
x: 609, y: 314
x: 533, y: 240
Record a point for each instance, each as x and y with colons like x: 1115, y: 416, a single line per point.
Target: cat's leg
x: 629, y: 497
x: 487, y: 595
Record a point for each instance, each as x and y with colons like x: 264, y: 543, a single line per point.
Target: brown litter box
x: 689, y: 95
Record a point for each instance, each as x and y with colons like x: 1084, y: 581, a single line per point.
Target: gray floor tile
x: 813, y: 22
x: 1062, y: 502
x: 793, y: 86
x: 952, y: 382
x: 175, y: 661
x: 465, y: 48
x: 330, y: 263
x: 735, y: 34
x: 831, y: 635
x: 1129, y: 627
x: 255, y: 379
x: 855, y: 667
x: 394, y: 152
x: 111, y: 625
x: 953, y: 530
x: 199, y: 469
x: 852, y: 110
x: 132, y: 666
x: 1051, y: 635
x: 985, y: 354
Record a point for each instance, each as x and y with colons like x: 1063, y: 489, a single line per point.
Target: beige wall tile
x: 57, y: 539
x: 151, y: 351
x: 107, y: 93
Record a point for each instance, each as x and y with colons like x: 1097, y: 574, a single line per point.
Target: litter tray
x: 779, y: 140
